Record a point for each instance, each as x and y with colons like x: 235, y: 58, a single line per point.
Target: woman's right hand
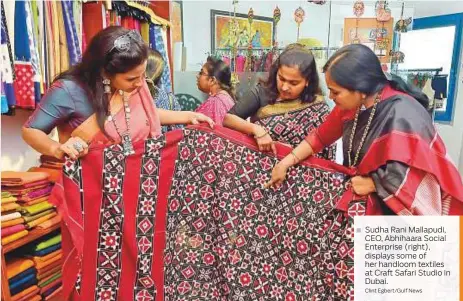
x: 75, y: 148
x: 263, y: 139
x: 278, y: 175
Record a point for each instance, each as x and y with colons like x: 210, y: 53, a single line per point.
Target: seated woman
x: 163, y: 99
x: 388, y: 136
x: 215, y: 79
x: 285, y: 107
x: 94, y: 101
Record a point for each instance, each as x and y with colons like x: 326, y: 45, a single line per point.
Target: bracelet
x: 261, y: 136
x: 297, y: 160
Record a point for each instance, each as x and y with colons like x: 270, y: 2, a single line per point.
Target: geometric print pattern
x: 109, y: 260
x: 228, y: 238
x: 145, y: 289
x: 292, y: 127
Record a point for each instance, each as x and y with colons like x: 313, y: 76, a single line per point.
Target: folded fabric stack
x: 51, y: 166
x: 47, y: 257
x: 25, y: 204
x: 37, y: 274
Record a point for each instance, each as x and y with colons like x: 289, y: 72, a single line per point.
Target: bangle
x: 261, y: 136
x: 297, y: 160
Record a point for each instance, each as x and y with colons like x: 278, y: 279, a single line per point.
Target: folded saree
x: 30, y: 290
x: 32, y: 297
x: 194, y: 221
x: 50, y: 223
x: 49, y: 270
x: 48, y: 243
x: 12, y: 230
x: 23, y: 284
x: 53, y: 171
x: 13, y: 222
x: 36, y: 208
x: 18, y: 265
x: 39, y: 264
x: 51, y: 287
x: 29, y: 271
x: 10, y: 216
x: 13, y: 237
x: 17, y: 178
x: 47, y: 257
x: 40, y: 220
x: 37, y: 193
x: 55, y: 293
x: 10, y: 199
x: 10, y: 207
x: 49, y: 279
x: 45, y: 251
x: 29, y: 218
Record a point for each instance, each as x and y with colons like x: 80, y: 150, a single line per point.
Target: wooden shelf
x: 33, y: 235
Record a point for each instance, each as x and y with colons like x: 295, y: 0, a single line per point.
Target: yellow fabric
x: 41, y: 264
x: 40, y: 220
x: 48, y: 256
x: 10, y: 207
x: 17, y: 265
x: 10, y: 199
x: 55, y: 31
x: 64, y: 52
x: 13, y: 237
x: 50, y: 223
x: 145, y: 31
x: 282, y: 107
x: 12, y: 222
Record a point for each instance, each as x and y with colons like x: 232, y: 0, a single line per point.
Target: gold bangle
x: 261, y: 136
x: 295, y: 157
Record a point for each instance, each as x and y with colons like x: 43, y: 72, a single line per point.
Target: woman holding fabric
x: 388, y: 136
x: 92, y: 104
x: 94, y: 101
x: 285, y: 107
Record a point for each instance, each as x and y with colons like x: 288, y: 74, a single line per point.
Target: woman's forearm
x: 175, y: 117
x: 300, y: 153
x: 40, y: 141
x: 238, y: 124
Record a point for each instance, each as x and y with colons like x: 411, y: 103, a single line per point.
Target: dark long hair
x: 357, y: 68
x: 297, y: 56
x: 221, y: 71
x: 101, y: 56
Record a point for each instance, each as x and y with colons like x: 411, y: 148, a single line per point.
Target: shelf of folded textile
x: 34, y: 270
x: 27, y: 217
x: 49, y: 165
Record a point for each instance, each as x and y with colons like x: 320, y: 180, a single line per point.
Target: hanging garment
x: 71, y: 32
x: 159, y: 45
x: 24, y: 85
x: 34, y: 51
x: 240, y: 61
x: 197, y: 233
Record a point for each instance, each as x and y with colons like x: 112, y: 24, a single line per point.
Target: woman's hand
x: 278, y: 175
x: 197, y: 118
x: 263, y: 139
x: 363, y: 185
x: 75, y: 148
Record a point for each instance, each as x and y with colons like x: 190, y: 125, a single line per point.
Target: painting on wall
x: 225, y: 33
x: 369, y: 32
x: 176, y: 18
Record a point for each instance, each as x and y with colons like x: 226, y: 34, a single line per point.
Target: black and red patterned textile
x: 187, y: 218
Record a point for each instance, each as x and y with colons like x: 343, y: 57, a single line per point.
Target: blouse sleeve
x: 248, y: 105
x: 55, y: 108
x: 329, y: 131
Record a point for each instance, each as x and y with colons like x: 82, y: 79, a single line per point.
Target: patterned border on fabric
x: 73, y: 170
x: 109, y: 259
x: 228, y: 238
x: 145, y: 289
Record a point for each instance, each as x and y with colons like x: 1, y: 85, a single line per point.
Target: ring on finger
x: 78, y: 146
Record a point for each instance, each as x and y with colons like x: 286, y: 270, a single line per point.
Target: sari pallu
x: 290, y: 122
x: 186, y: 217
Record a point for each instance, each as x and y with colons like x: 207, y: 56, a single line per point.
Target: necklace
x: 125, y: 136
x: 365, y: 133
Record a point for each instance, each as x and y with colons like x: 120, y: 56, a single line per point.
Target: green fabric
x: 48, y: 243
x: 47, y: 282
x: 31, y: 218
x: 5, y: 194
x: 188, y: 102
x: 36, y: 208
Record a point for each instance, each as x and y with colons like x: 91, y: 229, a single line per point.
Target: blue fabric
x: 22, y: 50
x: 3, y: 100
x: 51, y: 290
x: 9, y: 93
x: 71, y: 32
x: 159, y: 46
x: 22, y: 284
x: 47, y: 250
x: 26, y: 273
x: 37, y: 92
x: 162, y: 101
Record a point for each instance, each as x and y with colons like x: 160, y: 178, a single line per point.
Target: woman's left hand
x: 197, y: 118
x: 363, y: 185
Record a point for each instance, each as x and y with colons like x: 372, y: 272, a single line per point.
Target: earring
x: 106, y: 86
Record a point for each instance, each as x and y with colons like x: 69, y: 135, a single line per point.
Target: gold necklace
x: 365, y: 133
